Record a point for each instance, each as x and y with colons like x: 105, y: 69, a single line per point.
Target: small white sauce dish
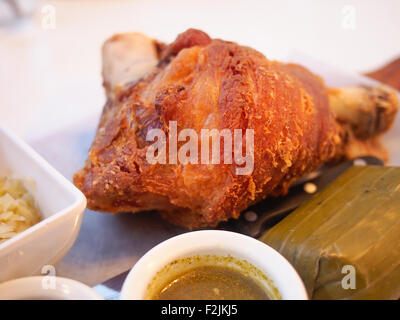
x: 61, y: 205
x: 46, y: 288
x: 215, y: 242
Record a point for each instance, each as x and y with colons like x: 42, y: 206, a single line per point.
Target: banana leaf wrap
x: 355, y: 221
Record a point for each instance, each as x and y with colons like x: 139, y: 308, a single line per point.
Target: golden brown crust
x: 204, y: 83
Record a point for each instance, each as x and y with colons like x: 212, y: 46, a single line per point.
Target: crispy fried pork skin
x: 209, y: 84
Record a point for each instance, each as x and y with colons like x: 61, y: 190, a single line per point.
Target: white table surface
x: 50, y: 78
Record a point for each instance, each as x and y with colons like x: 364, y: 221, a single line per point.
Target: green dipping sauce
x: 210, y: 277
x: 212, y: 283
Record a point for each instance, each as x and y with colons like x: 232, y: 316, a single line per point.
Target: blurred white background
x: 50, y: 63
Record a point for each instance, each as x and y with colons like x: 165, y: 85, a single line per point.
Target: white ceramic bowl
x: 46, y: 288
x: 59, y: 201
x: 215, y: 242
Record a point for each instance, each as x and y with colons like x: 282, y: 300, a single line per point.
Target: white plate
x: 46, y: 288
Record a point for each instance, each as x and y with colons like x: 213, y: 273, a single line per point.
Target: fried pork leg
x: 204, y: 83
